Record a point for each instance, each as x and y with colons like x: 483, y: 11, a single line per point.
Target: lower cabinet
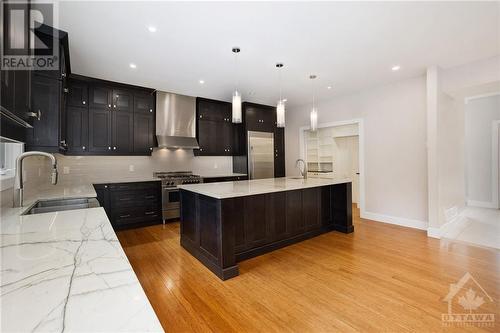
x: 224, y: 179
x: 131, y: 204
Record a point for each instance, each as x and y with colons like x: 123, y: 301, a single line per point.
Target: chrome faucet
x: 19, y: 191
x: 303, y: 171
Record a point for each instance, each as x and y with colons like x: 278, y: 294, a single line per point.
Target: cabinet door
x: 144, y: 130
x: 224, y: 138
x: 311, y: 208
x: 279, y: 152
x: 144, y: 103
x: 252, y: 119
x: 213, y: 110
x: 77, y: 94
x: 77, y: 126
x: 46, y: 95
x: 123, y: 132
x: 100, y: 97
x: 123, y: 100
x: 99, y: 130
x: 257, y: 226
x: 22, y: 95
x: 207, y: 138
x: 7, y: 89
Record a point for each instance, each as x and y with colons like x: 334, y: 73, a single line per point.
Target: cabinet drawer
x: 136, y: 217
x: 135, y: 186
x: 134, y: 198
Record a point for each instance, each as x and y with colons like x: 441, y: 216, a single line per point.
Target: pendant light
x: 314, y: 111
x: 236, y: 114
x: 280, y: 107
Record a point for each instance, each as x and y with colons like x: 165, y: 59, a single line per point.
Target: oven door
x: 170, y: 202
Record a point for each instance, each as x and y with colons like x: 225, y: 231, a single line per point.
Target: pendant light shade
x: 314, y: 119
x: 280, y: 107
x: 280, y: 114
x: 314, y: 111
x: 236, y: 114
x: 236, y: 107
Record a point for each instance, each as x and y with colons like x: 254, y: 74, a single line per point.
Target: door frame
x: 361, y: 152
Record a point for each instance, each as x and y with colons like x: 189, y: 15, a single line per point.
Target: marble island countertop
x: 66, y: 271
x: 224, y: 190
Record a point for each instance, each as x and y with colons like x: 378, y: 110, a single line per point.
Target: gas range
x: 172, y: 179
x: 170, y: 192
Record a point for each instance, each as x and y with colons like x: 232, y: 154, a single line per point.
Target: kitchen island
x: 224, y: 223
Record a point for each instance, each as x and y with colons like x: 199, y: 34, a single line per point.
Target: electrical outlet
x: 66, y: 170
x: 131, y: 168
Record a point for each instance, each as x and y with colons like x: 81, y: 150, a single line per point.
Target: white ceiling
x: 348, y: 45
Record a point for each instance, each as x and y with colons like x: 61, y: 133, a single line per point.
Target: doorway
x: 336, y: 150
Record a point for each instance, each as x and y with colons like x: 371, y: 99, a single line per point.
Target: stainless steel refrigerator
x: 260, y: 155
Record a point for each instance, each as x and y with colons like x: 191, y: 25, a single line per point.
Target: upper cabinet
x: 260, y: 118
x: 107, y: 118
x: 214, y: 128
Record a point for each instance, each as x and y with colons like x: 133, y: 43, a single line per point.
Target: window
x: 9, y: 151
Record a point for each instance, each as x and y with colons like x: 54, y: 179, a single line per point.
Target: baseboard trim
x: 434, y: 232
x: 482, y: 204
x: 401, y: 221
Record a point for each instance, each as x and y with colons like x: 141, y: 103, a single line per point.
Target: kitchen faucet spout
x: 18, y: 185
x: 303, y: 170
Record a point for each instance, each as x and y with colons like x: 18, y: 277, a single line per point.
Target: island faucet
x: 303, y: 171
x: 18, y: 192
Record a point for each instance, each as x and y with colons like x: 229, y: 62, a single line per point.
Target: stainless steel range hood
x: 176, y: 121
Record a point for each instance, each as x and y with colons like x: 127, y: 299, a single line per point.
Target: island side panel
x: 207, y: 232
x: 341, y: 204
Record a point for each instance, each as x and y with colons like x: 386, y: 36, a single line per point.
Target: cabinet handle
x: 105, y: 186
x: 201, y: 116
x: 109, y: 105
x: 83, y: 147
x: 65, y: 90
x: 63, y: 75
x: 201, y: 149
x: 114, y: 148
x: 151, y: 148
x: 126, y: 215
x: 150, y: 110
x: 149, y: 197
x: 38, y: 114
x: 125, y: 199
x: 109, y: 148
x: 114, y: 105
x: 83, y: 102
x: 149, y: 213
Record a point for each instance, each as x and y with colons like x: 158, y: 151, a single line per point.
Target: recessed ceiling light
x: 152, y: 29
x: 396, y: 68
x: 329, y: 87
x: 201, y: 82
x: 132, y: 65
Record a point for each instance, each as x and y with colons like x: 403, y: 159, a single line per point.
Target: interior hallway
x: 478, y: 226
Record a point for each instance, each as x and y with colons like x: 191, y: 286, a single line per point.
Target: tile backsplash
x: 89, y: 169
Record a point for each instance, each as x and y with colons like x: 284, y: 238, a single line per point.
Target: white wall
x: 395, y: 153
x: 479, y: 116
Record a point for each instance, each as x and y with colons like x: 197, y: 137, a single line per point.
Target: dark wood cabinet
x: 99, y: 130
x: 214, y: 128
x: 144, y: 129
x: 131, y: 204
x: 224, y: 179
x: 100, y: 97
x: 77, y: 126
x: 260, y: 118
x: 107, y: 118
x: 279, y: 152
x: 46, y: 105
x: 78, y: 94
x: 123, y: 132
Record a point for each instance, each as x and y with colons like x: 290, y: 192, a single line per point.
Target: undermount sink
x: 296, y: 177
x: 57, y: 205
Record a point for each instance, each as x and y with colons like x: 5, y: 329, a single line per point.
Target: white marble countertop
x: 224, y: 190
x: 217, y: 175
x: 66, y: 271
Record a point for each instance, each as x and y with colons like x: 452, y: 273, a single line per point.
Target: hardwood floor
x: 380, y: 278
